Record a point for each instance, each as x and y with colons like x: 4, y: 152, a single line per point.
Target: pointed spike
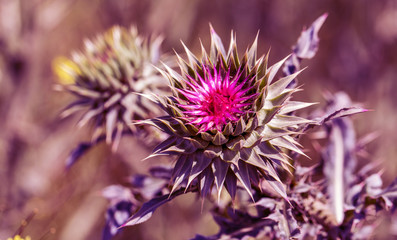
x: 279, y: 86
x: 219, y: 168
x: 231, y: 184
x: 240, y: 126
x: 274, y: 69
x: 182, y: 174
x: 192, y: 59
x: 269, y: 132
x: 219, y: 139
x: 216, y: 45
x: 291, y: 106
x: 283, y: 121
x: 200, y: 164
x: 243, y: 176
x: 89, y: 115
x: 111, y: 119
x: 206, y: 181
x: 283, y: 143
x: 252, y: 52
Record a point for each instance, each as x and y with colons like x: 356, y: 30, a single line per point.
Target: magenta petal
x: 216, y: 98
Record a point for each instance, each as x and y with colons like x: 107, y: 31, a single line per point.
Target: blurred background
x: 356, y: 55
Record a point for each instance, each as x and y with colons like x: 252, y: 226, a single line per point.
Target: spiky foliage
x: 228, y: 120
x: 108, y: 77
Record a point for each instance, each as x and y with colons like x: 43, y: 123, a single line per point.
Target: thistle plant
x: 229, y: 120
x: 107, y: 79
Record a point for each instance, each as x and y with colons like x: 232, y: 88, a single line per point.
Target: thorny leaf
x: 147, y: 209
x: 120, y: 208
x: 77, y: 153
x: 305, y: 48
x: 308, y: 42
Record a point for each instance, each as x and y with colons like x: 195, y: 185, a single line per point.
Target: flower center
x: 216, y: 100
x: 218, y: 105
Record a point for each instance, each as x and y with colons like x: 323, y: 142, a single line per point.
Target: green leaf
x: 199, y: 142
x: 279, y: 86
x: 267, y: 150
x: 257, y: 161
x: 274, y: 69
x: 213, y: 151
x: 283, y: 121
x: 252, y: 52
x: 229, y: 155
x: 216, y: 45
x: 219, y: 139
x: 245, y: 153
x: 280, y: 99
x: 261, y: 68
x: 252, y: 124
x: 270, y: 132
x: 291, y: 106
x: 192, y: 59
x: 206, y: 136
x: 228, y: 129
x: 252, y: 139
x: 236, y: 143
x: 266, y: 115
x: 240, y: 126
x: 283, y: 142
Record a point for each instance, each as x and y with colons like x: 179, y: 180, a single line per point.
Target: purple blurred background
x: 356, y: 55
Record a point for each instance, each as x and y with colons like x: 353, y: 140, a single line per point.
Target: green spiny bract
x: 228, y: 120
x: 109, y: 77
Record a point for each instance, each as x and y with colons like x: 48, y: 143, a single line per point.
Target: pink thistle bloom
x: 216, y: 99
x: 229, y: 120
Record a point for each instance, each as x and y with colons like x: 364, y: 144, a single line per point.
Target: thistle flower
x: 108, y: 77
x: 228, y: 120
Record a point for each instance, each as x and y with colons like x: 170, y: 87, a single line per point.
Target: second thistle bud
x: 108, y: 78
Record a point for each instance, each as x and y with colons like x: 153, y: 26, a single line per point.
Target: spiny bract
x: 108, y: 79
x: 228, y: 120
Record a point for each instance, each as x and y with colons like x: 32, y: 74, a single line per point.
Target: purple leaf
x: 120, y: 208
x: 163, y: 172
x: 391, y: 190
x: 146, y: 211
x: 231, y: 184
x: 219, y: 168
x: 308, y: 42
x: 77, y: 153
x: 305, y: 48
x: 343, y: 112
x: 206, y: 181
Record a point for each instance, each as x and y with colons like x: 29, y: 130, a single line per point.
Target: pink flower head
x: 216, y: 99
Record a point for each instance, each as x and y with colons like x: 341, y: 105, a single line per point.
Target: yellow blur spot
x: 65, y: 69
x: 17, y: 237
